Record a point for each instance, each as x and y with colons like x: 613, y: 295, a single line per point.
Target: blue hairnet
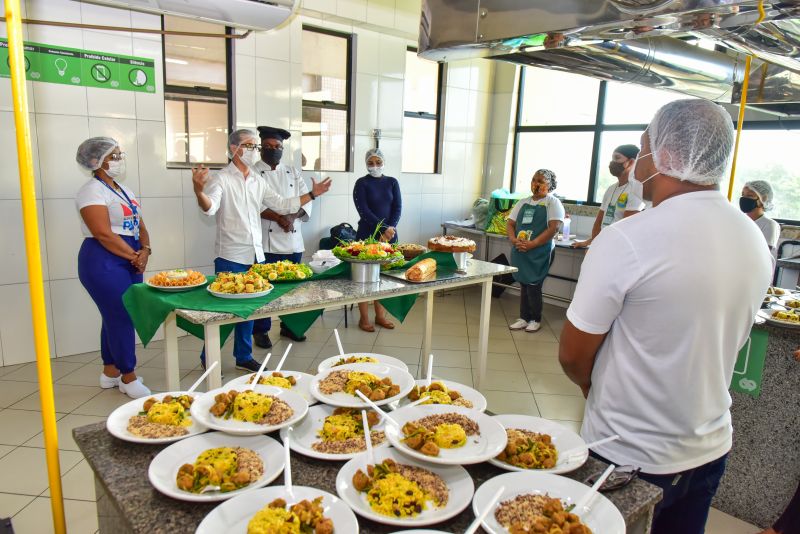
x: 92, y: 152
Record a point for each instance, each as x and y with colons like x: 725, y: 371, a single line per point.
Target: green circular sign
x: 27, y: 63
x: 101, y: 73
x: 137, y: 77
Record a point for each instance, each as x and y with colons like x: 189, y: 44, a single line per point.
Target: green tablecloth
x: 148, y: 307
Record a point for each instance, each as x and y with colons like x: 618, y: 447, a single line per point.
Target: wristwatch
x: 312, y: 195
x: 150, y: 250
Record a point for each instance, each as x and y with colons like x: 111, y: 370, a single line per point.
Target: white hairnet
x: 691, y: 140
x: 92, y: 152
x: 237, y: 137
x: 374, y: 152
x: 764, y: 192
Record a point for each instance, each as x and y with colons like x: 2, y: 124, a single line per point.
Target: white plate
x: 175, y: 289
x: 201, y: 407
x: 767, y: 314
x: 232, y: 517
x: 117, y: 422
x: 473, y: 395
x: 304, y: 435
x: 239, y: 295
x: 490, y: 441
x: 302, y: 387
x: 456, y: 477
x: 382, y: 358
x: 399, y: 376
x: 164, y: 467
x: 562, y: 437
x: 603, y: 519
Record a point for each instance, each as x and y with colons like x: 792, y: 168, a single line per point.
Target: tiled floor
x: 523, y: 377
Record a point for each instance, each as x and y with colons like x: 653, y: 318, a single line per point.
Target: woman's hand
x: 140, y: 261
x: 389, y: 233
x: 522, y: 245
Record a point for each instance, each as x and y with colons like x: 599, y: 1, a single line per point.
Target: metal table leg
x: 171, y: 353
x: 483, y: 331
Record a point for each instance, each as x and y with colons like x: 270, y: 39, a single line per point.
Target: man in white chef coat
x: 281, y: 235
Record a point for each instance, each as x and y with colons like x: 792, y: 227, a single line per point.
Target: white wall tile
x: 323, y: 6
x: 501, y: 122
x: 296, y: 103
x: 381, y: 12
x: 411, y: 184
x: 333, y: 209
x: 392, y: 56
x: 146, y: 21
x: 58, y: 137
x: 6, y: 100
x: 164, y: 220
x: 366, y: 103
x: 63, y: 236
x: 458, y: 74
x: 478, y: 116
x: 9, y: 172
x: 406, y: 16
x: 150, y: 106
x: 482, y: 74
x: 106, y: 16
x: 124, y: 132
x: 76, y: 321
x: 391, y: 152
x: 272, y: 93
x: 453, y: 158
x: 352, y: 9
x: 456, y: 119
x: 474, y: 162
x: 274, y: 44
x: 155, y: 180
x: 69, y: 37
x: 368, y: 53
x: 495, y: 169
x: 111, y: 103
x: 59, y: 99
x: 198, y: 234
x: 16, y: 324
x: 13, y: 259
x: 409, y: 225
x: 431, y: 215
x: 60, y: 10
x: 390, y: 107
x: 246, y: 46
x: 112, y: 43
x: 245, y: 92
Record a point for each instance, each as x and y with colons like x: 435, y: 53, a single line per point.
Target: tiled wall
x: 268, y: 73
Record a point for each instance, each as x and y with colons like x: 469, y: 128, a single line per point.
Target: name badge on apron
x: 527, y: 218
x: 608, y: 218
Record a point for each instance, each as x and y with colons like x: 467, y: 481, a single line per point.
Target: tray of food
x: 239, y: 286
x: 399, y: 491
x: 534, y: 445
x: 291, y: 380
x: 246, y: 410
x: 532, y: 498
x: 160, y: 418
x: 368, y: 251
x: 329, y: 433
x: 423, y: 271
x: 176, y: 280
x: 446, y: 434
x: 788, y: 318
x: 282, y: 271
x: 381, y: 383
x: 215, y: 466
x: 360, y: 357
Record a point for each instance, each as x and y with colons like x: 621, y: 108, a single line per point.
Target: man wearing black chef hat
x: 281, y: 235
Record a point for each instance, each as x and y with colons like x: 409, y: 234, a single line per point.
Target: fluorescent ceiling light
x: 176, y: 61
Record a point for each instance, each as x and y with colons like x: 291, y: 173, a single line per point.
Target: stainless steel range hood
x: 647, y: 42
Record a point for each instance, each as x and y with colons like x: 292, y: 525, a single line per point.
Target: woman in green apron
x: 531, y: 227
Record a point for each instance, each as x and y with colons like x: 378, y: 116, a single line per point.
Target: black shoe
x: 262, y: 340
x: 285, y: 332
x: 249, y: 365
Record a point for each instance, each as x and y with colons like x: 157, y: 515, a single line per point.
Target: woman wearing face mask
x: 113, y: 256
x: 531, y: 227
x: 377, y: 199
x: 756, y: 198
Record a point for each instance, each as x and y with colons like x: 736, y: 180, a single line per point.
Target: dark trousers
x: 106, y: 277
x: 530, y: 302
x: 789, y: 522
x: 687, y: 497
x: 262, y: 326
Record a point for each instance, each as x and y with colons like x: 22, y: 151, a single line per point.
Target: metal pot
x: 461, y: 260
x: 365, y: 273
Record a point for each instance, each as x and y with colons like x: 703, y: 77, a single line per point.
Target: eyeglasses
x: 620, y: 477
x: 118, y: 157
x: 250, y: 146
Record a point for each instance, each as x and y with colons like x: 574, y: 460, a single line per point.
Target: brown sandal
x: 366, y: 327
x: 384, y: 322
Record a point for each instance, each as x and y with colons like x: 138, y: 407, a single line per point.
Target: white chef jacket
x: 287, y: 182
x: 237, y: 203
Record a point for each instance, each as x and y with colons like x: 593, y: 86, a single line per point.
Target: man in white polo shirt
x: 664, y: 302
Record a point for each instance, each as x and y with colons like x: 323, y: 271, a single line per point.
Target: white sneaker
x: 533, y: 326
x: 135, y: 389
x: 519, y: 324
x: 107, y: 382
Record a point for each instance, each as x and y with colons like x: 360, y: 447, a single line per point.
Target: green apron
x: 534, y: 264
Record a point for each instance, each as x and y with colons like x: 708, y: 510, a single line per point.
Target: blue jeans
x: 243, y: 332
x: 687, y: 497
x: 262, y: 326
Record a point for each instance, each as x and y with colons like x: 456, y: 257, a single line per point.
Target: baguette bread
x: 421, y: 270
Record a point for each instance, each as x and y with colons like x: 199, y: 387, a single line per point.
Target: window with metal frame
x: 197, y: 93
x: 422, y: 103
x: 327, y: 98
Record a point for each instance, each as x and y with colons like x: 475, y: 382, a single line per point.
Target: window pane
x: 568, y: 154
x: 324, y: 67
x: 208, y: 132
x: 770, y: 156
x: 419, y: 145
x: 325, y: 143
x: 194, y: 61
x: 608, y: 142
x: 421, y: 84
x: 634, y: 104
x: 177, y: 147
x: 553, y: 98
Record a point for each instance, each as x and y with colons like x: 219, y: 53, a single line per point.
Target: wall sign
x: 70, y: 66
x: 749, y: 368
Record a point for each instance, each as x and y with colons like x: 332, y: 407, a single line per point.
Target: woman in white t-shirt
x: 531, y: 227
x: 113, y: 256
x: 757, y: 197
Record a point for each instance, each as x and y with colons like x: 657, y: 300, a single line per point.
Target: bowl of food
x: 282, y: 271
x: 411, y: 250
x: 320, y: 266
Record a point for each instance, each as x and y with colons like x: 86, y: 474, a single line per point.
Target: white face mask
x: 637, y: 187
x: 116, y: 168
x: 249, y: 157
x: 375, y: 172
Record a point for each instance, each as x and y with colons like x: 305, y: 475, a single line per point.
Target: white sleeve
x: 275, y: 202
x: 634, y: 203
x: 772, y: 232
x: 515, y: 210
x: 607, y: 198
x: 213, y: 191
x: 91, y: 195
x: 302, y: 190
x: 555, y: 210
x: 609, y: 270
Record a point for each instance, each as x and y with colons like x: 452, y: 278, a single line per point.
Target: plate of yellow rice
x: 301, y: 385
x: 161, y: 422
x: 336, y: 386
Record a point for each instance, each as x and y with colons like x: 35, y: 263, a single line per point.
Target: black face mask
x: 747, y: 204
x: 616, y: 168
x: 272, y: 156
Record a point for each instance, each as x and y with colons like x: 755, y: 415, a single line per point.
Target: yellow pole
x: 739, y: 125
x: 31, y: 224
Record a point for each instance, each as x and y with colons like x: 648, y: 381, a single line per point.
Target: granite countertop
x: 121, y: 468
x: 324, y: 293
